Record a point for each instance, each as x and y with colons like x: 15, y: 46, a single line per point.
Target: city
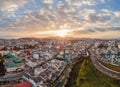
x: 59, y: 43
x: 47, y: 62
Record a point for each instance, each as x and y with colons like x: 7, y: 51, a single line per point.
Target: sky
x: 69, y: 18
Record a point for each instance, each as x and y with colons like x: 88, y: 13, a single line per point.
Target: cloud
x: 115, y: 22
x: 103, y: 1
x: 108, y: 29
x: 98, y: 18
x: 11, y: 5
x: 48, y: 1
x: 117, y: 14
x: 80, y: 16
x: 89, y: 2
x: 8, y: 10
x: 79, y: 3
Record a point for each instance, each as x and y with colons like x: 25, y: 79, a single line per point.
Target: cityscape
x: 59, y: 43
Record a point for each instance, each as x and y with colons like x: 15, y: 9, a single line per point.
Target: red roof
x: 24, y: 84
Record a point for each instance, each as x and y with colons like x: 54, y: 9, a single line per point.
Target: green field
x: 84, y: 74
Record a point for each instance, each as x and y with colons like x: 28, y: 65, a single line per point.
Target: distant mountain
x: 66, y: 38
x: 56, y: 37
x: 28, y: 38
x: 3, y: 39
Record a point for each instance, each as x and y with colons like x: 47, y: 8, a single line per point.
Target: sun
x: 62, y: 33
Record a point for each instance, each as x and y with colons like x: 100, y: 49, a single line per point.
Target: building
x: 24, y: 84
x: 13, y: 63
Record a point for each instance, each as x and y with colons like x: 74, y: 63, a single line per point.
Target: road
x: 90, y: 53
x: 10, y: 77
x: 59, y: 78
x: 102, y: 68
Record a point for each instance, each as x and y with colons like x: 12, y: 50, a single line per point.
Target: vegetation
x: 2, y: 69
x: 74, y: 75
x: 86, y: 75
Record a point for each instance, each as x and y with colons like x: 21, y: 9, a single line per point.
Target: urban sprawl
x: 47, y: 62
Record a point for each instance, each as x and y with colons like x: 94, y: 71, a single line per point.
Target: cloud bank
x: 82, y: 17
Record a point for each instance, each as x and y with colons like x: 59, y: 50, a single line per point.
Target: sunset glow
x: 63, y: 18
x: 61, y: 33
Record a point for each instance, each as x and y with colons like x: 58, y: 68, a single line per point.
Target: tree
x: 0, y: 55
x: 2, y: 69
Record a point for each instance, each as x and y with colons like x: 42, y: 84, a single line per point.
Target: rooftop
x: 15, y: 62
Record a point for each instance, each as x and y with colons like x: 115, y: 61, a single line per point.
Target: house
x: 24, y: 84
x: 13, y: 63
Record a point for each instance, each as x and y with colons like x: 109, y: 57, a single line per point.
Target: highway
x: 102, y: 68
x: 79, y: 58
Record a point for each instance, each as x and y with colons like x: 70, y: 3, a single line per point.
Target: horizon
x: 97, y: 19
x: 58, y: 37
